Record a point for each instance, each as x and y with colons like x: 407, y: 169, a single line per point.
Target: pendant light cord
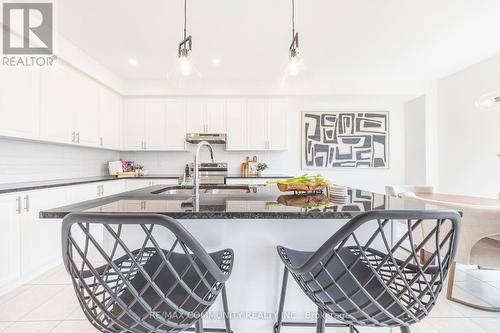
x: 293, y: 18
x: 185, y: 17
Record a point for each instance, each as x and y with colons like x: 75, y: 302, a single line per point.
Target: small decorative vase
x: 259, y: 173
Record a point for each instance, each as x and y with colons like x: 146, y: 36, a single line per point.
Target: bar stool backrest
x: 140, y: 273
x: 363, y: 277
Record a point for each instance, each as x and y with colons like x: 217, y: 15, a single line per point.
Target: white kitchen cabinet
x: 277, y: 124
x: 206, y: 115
x: 155, y: 124
x: 175, y: 133
x: 133, y: 124
x: 69, y: 107
x: 10, y: 242
x: 196, y: 120
x: 19, y: 102
x: 215, y: 115
x: 135, y: 184
x: 87, y: 105
x: 144, y: 124
x: 112, y: 187
x: 110, y: 119
x: 256, y: 124
x: 57, y: 112
x: 257, y: 112
x: 237, y: 128
x: 40, y: 238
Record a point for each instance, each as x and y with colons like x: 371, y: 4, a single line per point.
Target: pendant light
x: 489, y: 101
x: 184, y: 70
x: 295, y: 63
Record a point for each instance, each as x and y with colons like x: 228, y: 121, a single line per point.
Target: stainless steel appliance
x: 210, y: 173
x: 213, y: 138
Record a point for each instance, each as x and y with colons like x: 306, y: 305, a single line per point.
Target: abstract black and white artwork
x: 345, y: 139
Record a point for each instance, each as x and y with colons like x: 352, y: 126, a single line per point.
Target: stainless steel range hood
x: 213, y: 138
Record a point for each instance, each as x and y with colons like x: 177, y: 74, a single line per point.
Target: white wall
x: 289, y: 162
x: 23, y: 161
x: 415, y: 143
x: 469, y: 139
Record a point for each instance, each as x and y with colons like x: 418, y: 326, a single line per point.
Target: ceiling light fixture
x: 132, y: 61
x: 216, y: 61
x: 295, y: 64
x: 185, y: 47
x: 489, y: 101
x: 184, y: 69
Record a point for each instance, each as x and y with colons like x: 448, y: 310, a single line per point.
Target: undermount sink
x: 188, y: 190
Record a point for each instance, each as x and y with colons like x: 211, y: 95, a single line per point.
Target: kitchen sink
x: 216, y: 190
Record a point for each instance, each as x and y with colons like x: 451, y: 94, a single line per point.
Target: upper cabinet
x: 110, y: 116
x: 175, y: 134
x: 19, y: 102
x: 256, y: 124
x: 57, y: 105
x: 154, y: 124
x: 75, y: 109
x: 63, y: 105
x: 206, y: 115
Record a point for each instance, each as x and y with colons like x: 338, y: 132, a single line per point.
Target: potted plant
x: 261, y: 167
x: 139, y: 170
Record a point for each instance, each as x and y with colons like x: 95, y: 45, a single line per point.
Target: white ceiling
x: 341, y: 39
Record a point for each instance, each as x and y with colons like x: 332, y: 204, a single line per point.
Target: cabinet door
x: 87, y: 104
x: 112, y: 187
x: 40, y: 238
x: 257, y: 124
x: 10, y: 242
x: 133, y: 124
x: 196, y: 120
x: 216, y: 115
x: 277, y: 124
x: 57, y: 113
x: 175, y: 134
x: 155, y: 124
x: 19, y: 102
x: 135, y: 184
x: 110, y: 119
x: 236, y: 124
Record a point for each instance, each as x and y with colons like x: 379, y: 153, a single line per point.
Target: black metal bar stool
x: 148, y: 288
x: 370, y: 273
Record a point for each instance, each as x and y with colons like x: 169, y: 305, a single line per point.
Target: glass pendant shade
x: 184, y: 73
x: 489, y: 101
x: 295, y: 65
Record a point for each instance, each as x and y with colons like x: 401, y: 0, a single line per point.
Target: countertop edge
x: 32, y: 186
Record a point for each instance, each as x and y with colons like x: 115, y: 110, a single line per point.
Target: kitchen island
x: 251, y: 220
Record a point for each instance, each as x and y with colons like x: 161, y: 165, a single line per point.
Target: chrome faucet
x: 196, y: 167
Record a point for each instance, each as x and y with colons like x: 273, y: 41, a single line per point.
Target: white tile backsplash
x: 22, y: 161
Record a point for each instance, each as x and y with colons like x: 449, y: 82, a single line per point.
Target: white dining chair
x: 398, y: 190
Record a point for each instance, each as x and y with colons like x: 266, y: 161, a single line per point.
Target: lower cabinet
x: 10, y: 242
x: 135, y: 184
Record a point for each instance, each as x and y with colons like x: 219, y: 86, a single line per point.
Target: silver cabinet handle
x: 77, y: 137
x: 98, y: 190
x: 101, y: 141
x: 27, y: 203
x: 102, y: 189
x: 145, y: 145
x: 18, y: 205
x: 73, y: 137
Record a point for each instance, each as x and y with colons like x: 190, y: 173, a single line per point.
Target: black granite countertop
x: 232, y: 202
x: 38, y: 185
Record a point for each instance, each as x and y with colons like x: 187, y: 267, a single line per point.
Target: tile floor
x: 48, y: 305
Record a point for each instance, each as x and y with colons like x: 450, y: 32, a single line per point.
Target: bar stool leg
x: 405, y: 329
x: 277, y: 326
x: 198, y: 328
x: 320, y: 325
x: 226, y: 310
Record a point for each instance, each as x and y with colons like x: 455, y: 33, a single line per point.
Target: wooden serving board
x: 308, y: 187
